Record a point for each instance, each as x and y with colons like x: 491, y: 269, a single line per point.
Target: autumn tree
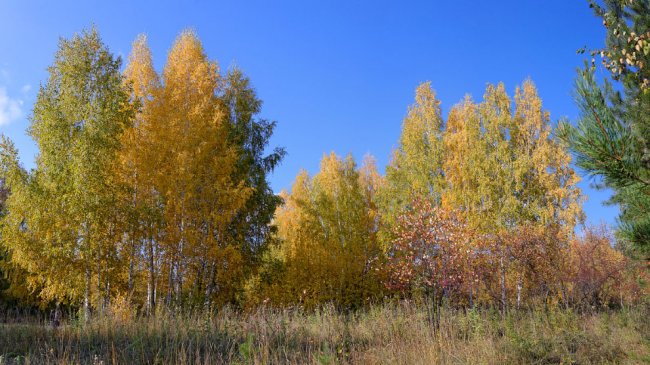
x: 195, y: 171
x: 327, y: 229
x: 504, y: 170
x: 193, y: 167
x: 464, y: 158
x: 538, y: 258
x: 140, y: 202
x: 60, y: 225
x: 416, y: 167
x: 600, y: 275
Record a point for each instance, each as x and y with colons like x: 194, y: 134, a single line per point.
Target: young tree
x: 538, y: 256
x: 431, y: 254
x: 600, y: 275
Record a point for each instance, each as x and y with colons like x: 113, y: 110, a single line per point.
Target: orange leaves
x: 601, y: 275
x: 178, y: 168
x: 327, y: 229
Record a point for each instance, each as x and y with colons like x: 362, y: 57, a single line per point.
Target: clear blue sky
x: 337, y: 76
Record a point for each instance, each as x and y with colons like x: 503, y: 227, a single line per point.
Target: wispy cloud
x: 26, y: 89
x: 10, y: 108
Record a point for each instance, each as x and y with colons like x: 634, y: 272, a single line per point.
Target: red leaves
x: 435, y: 251
x: 431, y: 250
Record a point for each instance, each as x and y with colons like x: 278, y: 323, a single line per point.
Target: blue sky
x: 336, y: 75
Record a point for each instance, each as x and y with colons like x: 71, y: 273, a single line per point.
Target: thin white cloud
x: 10, y: 108
x: 26, y: 88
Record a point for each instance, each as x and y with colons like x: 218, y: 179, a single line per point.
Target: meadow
x: 397, y: 333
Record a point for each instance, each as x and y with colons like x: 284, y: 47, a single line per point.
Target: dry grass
x: 388, y: 334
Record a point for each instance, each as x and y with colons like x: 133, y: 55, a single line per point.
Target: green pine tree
x: 611, y: 140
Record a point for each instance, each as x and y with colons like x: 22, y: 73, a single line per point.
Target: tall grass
x: 387, y: 334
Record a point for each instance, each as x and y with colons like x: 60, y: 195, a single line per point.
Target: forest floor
x: 387, y: 334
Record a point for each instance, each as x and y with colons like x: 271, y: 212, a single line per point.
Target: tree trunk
x: 179, y: 282
x: 131, y: 267
x: 56, y: 318
x: 503, y: 284
x: 209, y: 287
x: 86, y: 305
x: 471, y: 295
x: 200, y: 279
x: 148, y: 306
x: 170, y: 283
x: 519, y: 287
x: 151, y: 297
x: 107, y: 294
x: 100, y: 290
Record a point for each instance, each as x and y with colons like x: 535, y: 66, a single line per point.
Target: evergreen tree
x: 612, y: 138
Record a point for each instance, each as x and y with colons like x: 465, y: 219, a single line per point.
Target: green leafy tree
x: 60, y: 223
x: 250, y: 135
x: 14, y: 285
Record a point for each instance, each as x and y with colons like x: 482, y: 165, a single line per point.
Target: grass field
x: 388, y: 334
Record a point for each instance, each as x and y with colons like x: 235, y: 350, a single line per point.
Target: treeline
x: 477, y: 210
x: 150, y: 190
